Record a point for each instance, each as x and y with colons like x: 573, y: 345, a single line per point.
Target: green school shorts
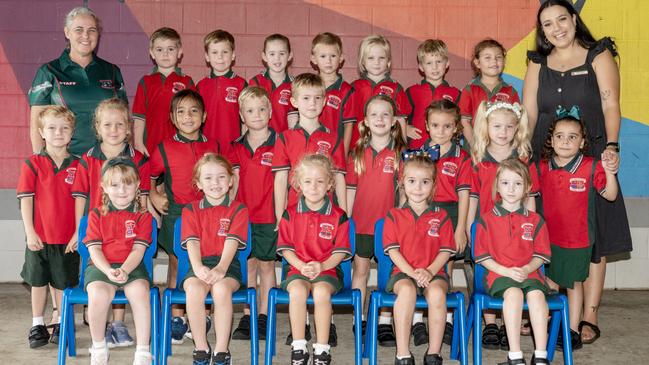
x: 94, y: 274
x: 335, y: 282
x: 51, y: 266
x: 234, y: 270
x: 503, y: 283
x: 264, y: 242
x: 365, y: 245
x: 401, y: 276
x: 166, y: 233
x: 569, y: 265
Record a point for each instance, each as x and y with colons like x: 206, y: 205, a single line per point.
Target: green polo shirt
x: 64, y: 82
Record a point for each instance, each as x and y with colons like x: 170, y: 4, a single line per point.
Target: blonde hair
x: 81, y: 10
x: 217, y: 36
x: 207, y: 158
x: 519, y: 168
x: 432, y: 47
x: 312, y: 160
x: 304, y: 80
x: 56, y: 111
x: 365, y: 136
x: 113, y: 104
x: 521, y: 141
x: 129, y: 175
x: 165, y: 33
x: 251, y: 92
x: 327, y: 39
x: 422, y: 162
x: 364, y: 49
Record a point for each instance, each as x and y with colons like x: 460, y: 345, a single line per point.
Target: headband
x: 563, y: 113
x: 431, y: 153
x: 126, y: 161
x: 491, y: 107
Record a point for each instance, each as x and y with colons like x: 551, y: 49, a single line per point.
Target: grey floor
x: 624, y: 324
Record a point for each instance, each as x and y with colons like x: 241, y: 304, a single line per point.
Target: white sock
x: 299, y: 345
x: 540, y: 354
x: 319, y: 348
x: 385, y: 320
x: 142, y: 348
x: 307, y: 318
x: 332, y: 318
x: 99, y: 344
x: 404, y: 357
x: 362, y: 317
x: 449, y: 317
x: 515, y: 355
x: 38, y: 321
x: 418, y: 317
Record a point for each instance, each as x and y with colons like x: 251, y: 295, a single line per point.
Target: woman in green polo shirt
x: 77, y: 79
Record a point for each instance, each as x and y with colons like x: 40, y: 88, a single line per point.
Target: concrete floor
x: 624, y: 324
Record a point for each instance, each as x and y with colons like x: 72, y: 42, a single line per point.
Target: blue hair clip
x: 427, y: 151
x: 562, y: 113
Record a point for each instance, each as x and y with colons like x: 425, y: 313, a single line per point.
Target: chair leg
x: 477, y: 330
x: 461, y: 325
x: 555, y: 327
x: 270, y: 327
x: 72, y: 343
x: 358, y: 327
x: 254, y: 334
x: 64, y: 330
x: 455, y: 341
x: 155, y: 320
x: 373, y: 316
x: 165, y: 331
x: 567, y: 344
x: 368, y: 330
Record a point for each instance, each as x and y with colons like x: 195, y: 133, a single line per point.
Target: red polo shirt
x: 420, y: 96
x: 453, y: 174
x: 212, y: 225
x: 475, y: 93
x: 221, y: 97
x: 511, y: 239
x: 153, y: 103
x: 314, y: 235
x: 418, y: 238
x: 117, y: 232
x: 339, y: 107
x: 280, y: 99
x: 51, y: 188
x: 256, y: 180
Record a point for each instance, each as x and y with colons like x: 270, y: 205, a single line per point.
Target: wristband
x: 615, y: 145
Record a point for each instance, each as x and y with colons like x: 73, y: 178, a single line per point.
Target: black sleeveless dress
x: 578, y: 86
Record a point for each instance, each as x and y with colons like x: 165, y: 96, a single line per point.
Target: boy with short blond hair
x: 432, y: 57
x: 221, y: 89
x: 155, y: 91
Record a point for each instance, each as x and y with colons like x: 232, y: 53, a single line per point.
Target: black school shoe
x: 222, y: 358
x: 536, y: 361
x: 363, y: 326
x: 502, y: 336
x: 385, y: 335
x: 307, y: 335
x: 242, y: 332
x: 448, y: 334
x: 490, y: 337
x: 433, y: 359
x: 407, y: 361
x: 299, y: 357
x: 333, y: 337
x: 513, y: 362
x: 201, y: 357
x: 38, y: 336
x: 419, y: 333
x: 56, y: 331
x: 262, y: 322
x: 322, y: 359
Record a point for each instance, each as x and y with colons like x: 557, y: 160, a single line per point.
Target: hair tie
x: 562, y: 113
x: 115, y: 161
x: 491, y: 107
x: 432, y: 153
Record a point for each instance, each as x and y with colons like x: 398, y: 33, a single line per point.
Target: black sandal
x: 490, y: 338
x: 575, y: 338
x: 502, y: 337
x: 593, y: 328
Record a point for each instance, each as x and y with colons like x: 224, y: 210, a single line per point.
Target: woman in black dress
x: 569, y: 67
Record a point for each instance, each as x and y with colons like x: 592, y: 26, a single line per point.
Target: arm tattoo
x: 605, y: 94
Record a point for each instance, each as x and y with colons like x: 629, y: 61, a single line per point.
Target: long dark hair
x: 548, y: 150
x: 582, y: 34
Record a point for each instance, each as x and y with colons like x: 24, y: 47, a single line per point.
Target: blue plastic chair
x: 481, y: 300
x: 380, y: 298
x: 177, y: 296
x: 346, y: 296
x: 78, y: 295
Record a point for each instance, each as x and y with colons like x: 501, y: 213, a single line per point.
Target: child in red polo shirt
x: 314, y: 239
x: 44, y: 188
x: 154, y: 91
x: 252, y: 155
x: 419, y: 240
x: 512, y: 243
x: 488, y: 65
x: 221, y: 89
x: 338, y: 114
x: 374, y: 64
x: 213, y: 229
x: 372, y: 188
x: 276, y: 81
x: 118, y: 234
x: 432, y: 57
x: 173, y: 161
x: 569, y: 181
x: 501, y: 132
x: 113, y: 126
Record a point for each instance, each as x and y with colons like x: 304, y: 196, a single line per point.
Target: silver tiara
x: 503, y: 105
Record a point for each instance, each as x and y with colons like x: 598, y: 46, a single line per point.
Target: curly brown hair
x: 548, y: 150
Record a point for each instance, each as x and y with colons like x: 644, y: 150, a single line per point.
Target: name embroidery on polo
x: 177, y: 86
x: 334, y: 101
x: 323, y: 147
x: 68, y: 83
x: 578, y: 184
x: 224, y: 227
x: 449, y: 169
x: 527, y: 228
x: 386, y: 90
x: 71, y: 172
x: 388, y: 165
x: 106, y: 84
x: 267, y: 159
x: 433, y: 229
x: 231, y: 94
x: 130, y: 228
x: 326, y: 231
x: 284, y: 97
x: 502, y: 97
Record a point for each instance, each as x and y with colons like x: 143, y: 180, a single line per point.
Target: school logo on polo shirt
x: 502, y: 97
x: 334, y: 101
x: 267, y: 158
x: 388, y: 165
x: 326, y: 231
x: 224, y: 227
x: 433, y: 229
x: 177, y: 86
x: 130, y: 228
x: 578, y: 184
x: 71, y: 171
x: 284, y: 97
x: 386, y: 90
x: 528, y: 229
x: 231, y: 94
x: 448, y: 97
x: 323, y: 147
x: 106, y: 84
x: 449, y: 168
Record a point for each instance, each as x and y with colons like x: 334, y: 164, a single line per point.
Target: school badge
x: 433, y: 229
x: 326, y: 231
x: 177, y: 86
x: 334, y: 101
x: 284, y: 97
x: 502, y: 97
x: 386, y: 90
x: 578, y: 184
x: 388, y: 165
x: 323, y: 147
x: 528, y: 229
x: 448, y: 97
x: 267, y: 159
x: 224, y: 227
x: 71, y: 171
x: 130, y: 228
x: 449, y: 169
x: 231, y: 94
x: 106, y: 84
